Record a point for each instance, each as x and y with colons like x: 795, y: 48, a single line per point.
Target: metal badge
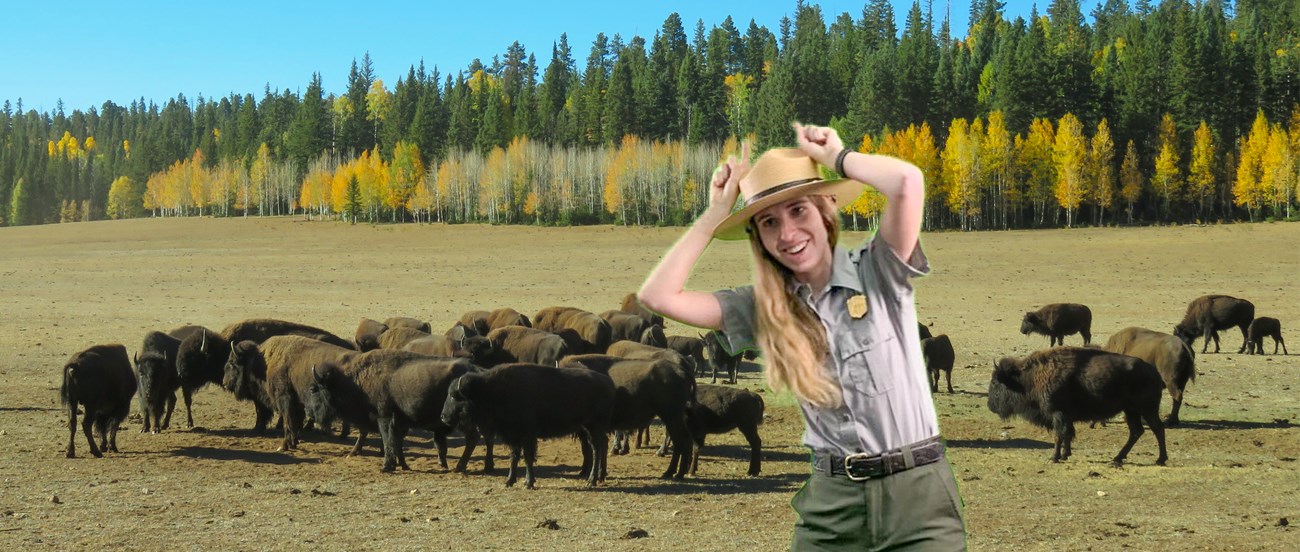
x: 857, y: 306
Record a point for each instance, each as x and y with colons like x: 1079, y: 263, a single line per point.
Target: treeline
x: 1174, y: 112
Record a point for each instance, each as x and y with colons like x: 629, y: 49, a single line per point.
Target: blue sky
x: 88, y: 52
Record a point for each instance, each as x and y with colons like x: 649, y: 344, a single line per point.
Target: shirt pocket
x: 864, y: 358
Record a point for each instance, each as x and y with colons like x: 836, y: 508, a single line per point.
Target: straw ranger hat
x: 779, y: 175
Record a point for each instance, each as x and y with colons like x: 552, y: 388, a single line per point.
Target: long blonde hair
x: 789, y: 332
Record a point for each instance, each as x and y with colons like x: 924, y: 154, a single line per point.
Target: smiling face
x: 794, y: 233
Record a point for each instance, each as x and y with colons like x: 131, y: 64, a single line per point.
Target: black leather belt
x: 861, y: 467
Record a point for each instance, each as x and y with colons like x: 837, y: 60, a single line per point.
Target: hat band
x: 775, y: 189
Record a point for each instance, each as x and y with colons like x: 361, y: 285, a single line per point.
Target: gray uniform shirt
x: 876, y: 358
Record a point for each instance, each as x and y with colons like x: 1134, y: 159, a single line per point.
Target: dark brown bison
x: 1265, y: 327
x: 100, y: 380
x: 623, y: 325
x: 632, y: 349
x: 391, y: 392
x: 526, y: 402
x: 923, y: 331
x: 368, y: 332
x: 1172, y: 358
x: 644, y: 389
x: 691, y: 347
x: 1208, y: 314
x: 520, y: 344
x: 201, y: 358
x: 719, y: 409
x: 276, y: 374
x: 476, y: 348
x: 155, y: 368
x: 1058, y: 320
x: 719, y: 357
x: 633, y: 306
x: 1056, y: 387
x: 506, y: 316
x: 939, y: 357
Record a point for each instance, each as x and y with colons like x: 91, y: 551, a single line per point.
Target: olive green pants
x: 917, y: 509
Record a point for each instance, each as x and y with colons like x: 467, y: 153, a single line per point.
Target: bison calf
x: 1058, y: 320
x: 719, y: 409
x: 526, y: 402
x: 1259, y: 329
x: 99, y: 379
x: 939, y: 357
x: 719, y: 357
x: 1056, y: 387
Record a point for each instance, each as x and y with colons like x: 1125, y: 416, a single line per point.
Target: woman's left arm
x: 900, y: 182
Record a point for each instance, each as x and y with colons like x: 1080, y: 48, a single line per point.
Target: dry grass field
x: 1232, y: 478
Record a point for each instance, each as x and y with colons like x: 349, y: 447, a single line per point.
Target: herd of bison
x: 503, y: 376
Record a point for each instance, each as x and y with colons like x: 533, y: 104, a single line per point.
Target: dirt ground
x: 1232, y: 482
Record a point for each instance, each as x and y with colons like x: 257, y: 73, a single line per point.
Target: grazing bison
x: 1058, y: 320
x: 526, y: 402
x: 1172, y: 358
x: 101, y: 381
x: 1208, y: 314
x: 155, y: 367
x: 594, y: 332
x: 719, y: 409
x: 939, y: 356
x: 632, y: 305
x: 1056, y: 387
x: 202, y: 356
x: 408, y: 322
x: 392, y: 392
x: 506, y: 316
x: 720, y: 357
x: 1265, y: 327
x: 396, y: 338
x: 691, y: 347
x: 624, y: 325
x: 478, y: 320
x: 275, y: 376
x: 644, y: 389
x: 520, y: 344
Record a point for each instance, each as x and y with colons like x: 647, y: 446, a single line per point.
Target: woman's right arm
x: 663, y: 291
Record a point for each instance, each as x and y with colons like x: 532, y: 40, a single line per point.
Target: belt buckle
x: 848, y: 466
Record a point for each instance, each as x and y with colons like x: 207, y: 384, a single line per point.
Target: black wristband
x: 839, y: 161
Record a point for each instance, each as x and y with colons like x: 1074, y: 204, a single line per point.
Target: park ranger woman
x: 837, y: 327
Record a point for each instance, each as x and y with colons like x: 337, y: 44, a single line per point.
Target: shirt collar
x: 844, y: 274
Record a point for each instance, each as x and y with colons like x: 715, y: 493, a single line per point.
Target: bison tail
x: 68, y: 387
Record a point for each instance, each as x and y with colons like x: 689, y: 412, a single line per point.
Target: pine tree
x: 353, y: 204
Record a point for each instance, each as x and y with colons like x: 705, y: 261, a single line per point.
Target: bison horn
x: 203, y: 344
x: 315, y: 375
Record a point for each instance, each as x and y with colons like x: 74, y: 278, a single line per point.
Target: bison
x: 526, y: 402
x: 368, y: 332
x: 594, y: 332
x: 1056, y: 387
x: 1172, y: 358
x: 1265, y: 327
x: 101, y: 381
x: 202, y: 356
x: 632, y: 305
x: 691, y: 347
x: 939, y: 356
x: 476, y: 319
x: 719, y: 357
x: 644, y: 389
x: 408, y: 322
x: 155, y: 367
x: 275, y: 376
x: 1058, y: 320
x: 632, y: 349
x: 506, y: 316
x: 1208, y: 314
x: 392, y: 392
x: 476, y: 348
x: 396, y: 338
x: 520, y: 344
x: 719, y: 409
